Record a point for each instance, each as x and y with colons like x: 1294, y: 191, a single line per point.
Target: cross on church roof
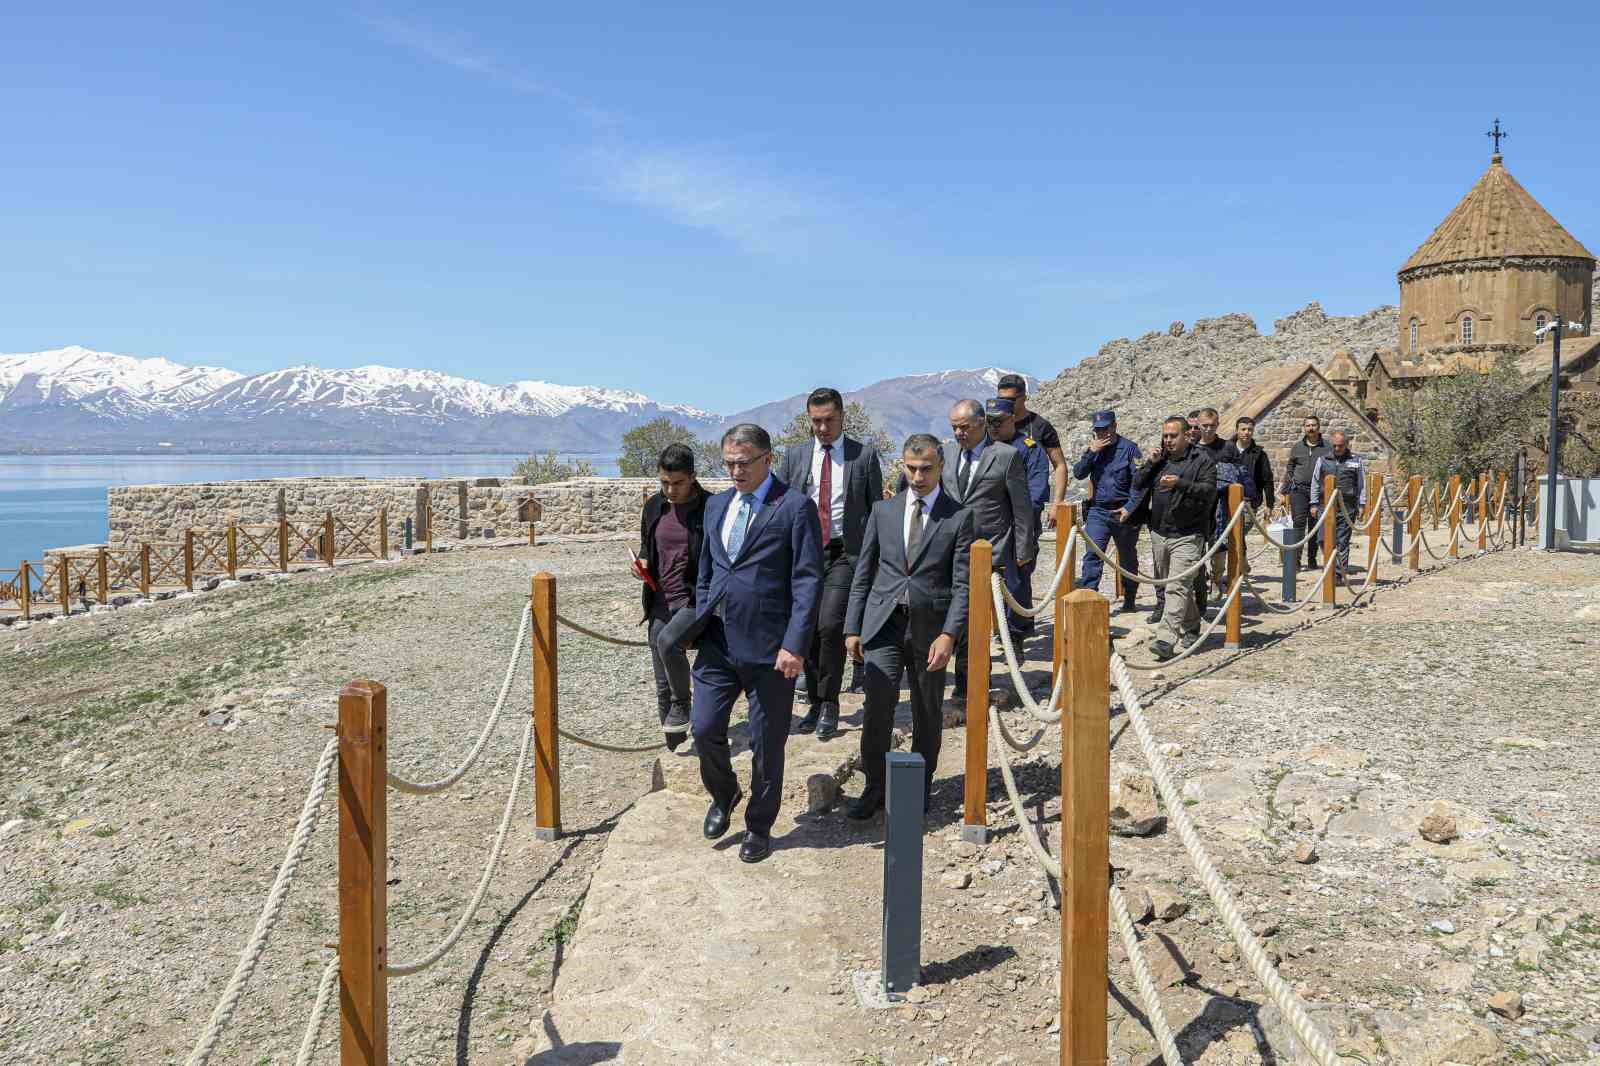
x: 1497, y: 135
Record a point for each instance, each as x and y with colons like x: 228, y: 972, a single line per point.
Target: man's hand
x: 1050, y: 517
x: 852, y: 648
x: 789, y: 664
x: 637, y: 566
x: 1122, y: 514
x: 1168, y: 481
x: 1283, y: 499
x: 1314, y: 510
x: 1098, y: 444
x: 1156, y: 454
x: 940, y: 651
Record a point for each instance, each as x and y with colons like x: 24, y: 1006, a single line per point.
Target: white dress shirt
x: 927, y: 509
x: 835, y: 508
x: 733, y: 510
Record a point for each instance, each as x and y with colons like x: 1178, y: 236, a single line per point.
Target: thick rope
x: 1022, y: 745
x: 586, y: 631
x: 1311, y: 534
x: 1047, y: 600
x: 1148, y: 994
x: 310, y: 811
x: 319, y: 1010
x: 1310, y: 597
x: 1146, y: 579
x: 427, y: 788
x: 1047, y: 863
x: 1289, y: 1004
x: 1222, y: 614
x: 1051, y: 711
x: 617, y: 749
x: 405, y: 969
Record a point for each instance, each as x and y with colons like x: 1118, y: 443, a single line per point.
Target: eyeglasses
x: 736, y: 465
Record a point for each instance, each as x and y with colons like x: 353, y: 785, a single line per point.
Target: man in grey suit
x: 908, y: 608
x: 844, y: 478
x: 989, y: 479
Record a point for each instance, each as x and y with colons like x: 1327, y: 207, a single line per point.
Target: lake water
x: 49, y: 501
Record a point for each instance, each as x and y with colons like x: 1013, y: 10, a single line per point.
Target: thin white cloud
x: 744, y: 201
x: 453, y: 49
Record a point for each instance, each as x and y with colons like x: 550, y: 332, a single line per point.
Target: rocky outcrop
x: 1178, y: 369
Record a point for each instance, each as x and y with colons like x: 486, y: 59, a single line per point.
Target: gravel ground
x: 153, y: 817
x: 154, y: 766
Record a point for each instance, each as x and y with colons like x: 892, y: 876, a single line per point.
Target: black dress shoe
x: 828, y: 722
x: 1155, y: 615
x: 755, y: 847
x: 808, y: 724
x: 717, y: 818
x: 867, y: 804
x: 1161, y: 650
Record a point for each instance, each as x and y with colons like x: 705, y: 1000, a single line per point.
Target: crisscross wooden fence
x: 166, y: 565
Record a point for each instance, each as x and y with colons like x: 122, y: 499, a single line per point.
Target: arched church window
x: 1466, y: 329
x: 1414, y: 334
x: 1538, y: 324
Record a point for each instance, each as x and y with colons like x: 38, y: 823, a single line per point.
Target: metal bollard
x: 1289, y: 564
x: 1396, y: 554
x: 902, y: 872
x: 408, y: 534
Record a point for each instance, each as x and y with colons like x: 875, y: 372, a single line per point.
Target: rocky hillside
x: 1150, y: 377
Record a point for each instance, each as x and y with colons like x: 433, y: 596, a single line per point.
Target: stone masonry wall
x: 583, y: 506
x: 1279, y: 427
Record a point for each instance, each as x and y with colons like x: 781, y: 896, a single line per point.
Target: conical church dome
x: 1497, y: 218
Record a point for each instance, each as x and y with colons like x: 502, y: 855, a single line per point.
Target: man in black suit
x: 908, y: 608
x: 844, y: 478
x: 988, y: 478
x: 756, y: 611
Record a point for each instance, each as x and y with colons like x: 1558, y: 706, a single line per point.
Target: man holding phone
x: 1180, y: 486
x: 671, y: 531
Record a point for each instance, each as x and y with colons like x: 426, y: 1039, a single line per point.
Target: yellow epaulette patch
x: 1029, y: 441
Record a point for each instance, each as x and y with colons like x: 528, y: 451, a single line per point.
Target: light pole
x: 1552, y: 441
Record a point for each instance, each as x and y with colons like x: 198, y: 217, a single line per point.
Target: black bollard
x: 1289, y: 562
x: 902, y: 872
x: 408, y: 534
x: 1397, y: 555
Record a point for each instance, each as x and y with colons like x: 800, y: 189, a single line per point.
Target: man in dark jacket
x: 671, y: 531
x: 1350, y: 482
x: 1295, y: 492
x: 1244, y: 451
x: 1180, y: 487
x: 1109, y: 462
x: 844, y: 478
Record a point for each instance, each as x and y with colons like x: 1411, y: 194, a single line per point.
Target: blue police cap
x: 998, y: 408
x: 1104, y: 419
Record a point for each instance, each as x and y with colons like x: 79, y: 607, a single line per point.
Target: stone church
x: 1497, y: 269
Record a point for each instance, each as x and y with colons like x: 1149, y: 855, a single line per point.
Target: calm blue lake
x: 48, y: 501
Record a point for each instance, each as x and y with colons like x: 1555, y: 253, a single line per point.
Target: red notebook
x: 643, y: 571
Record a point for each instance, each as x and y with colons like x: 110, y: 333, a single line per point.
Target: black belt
x: 835, y: 545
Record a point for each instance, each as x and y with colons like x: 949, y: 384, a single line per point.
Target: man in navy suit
x: 757, y: 595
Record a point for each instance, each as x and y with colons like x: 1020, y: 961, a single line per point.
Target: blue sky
x: 720, y: 204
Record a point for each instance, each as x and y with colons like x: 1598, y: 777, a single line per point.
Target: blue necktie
x: 741, y: 522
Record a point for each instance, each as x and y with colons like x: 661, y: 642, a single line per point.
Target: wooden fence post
x: 1330, y: 503
x: 1235, y: 568
x: 1374, y: 530
x: 188, y: 559
x: 103, y: 577
x: 64, y: 580
x: 144, y: 569
x: 25, y: 598
x: 1085, y: 831
x: 1483, y: 513
x: 329, y: 551
x: 283, y: 544
x: 980, y: 629
x: 363, y: 874
x: 1065, y: 514
x: 1455, y: 512
x: 233, y: 550
x: 383, y: 533
x: 546, y: 711
x: 427, y: 502
x: 1434, y: 506
x: 1414, y: 523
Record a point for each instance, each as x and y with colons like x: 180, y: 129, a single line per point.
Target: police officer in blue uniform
x: 1109, y: 463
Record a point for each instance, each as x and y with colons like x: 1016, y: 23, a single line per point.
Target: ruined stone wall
x: 463, y: 508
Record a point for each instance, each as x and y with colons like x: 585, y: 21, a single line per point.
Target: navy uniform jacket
x: 1036, y: 464
x: 767, y: 598
x: 1112, y: 469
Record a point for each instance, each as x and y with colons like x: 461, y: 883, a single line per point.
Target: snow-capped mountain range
x: 77, y: 399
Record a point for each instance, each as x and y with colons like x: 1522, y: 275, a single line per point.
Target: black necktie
x: 914, y: 537
x: 963, y: 468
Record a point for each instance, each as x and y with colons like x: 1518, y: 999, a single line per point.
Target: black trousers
x: 890, y: 655
x: 1300, y: 508
x: 825, y: 664
x: 718, y: 682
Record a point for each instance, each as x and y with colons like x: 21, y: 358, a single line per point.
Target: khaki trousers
x: 1174, y: 555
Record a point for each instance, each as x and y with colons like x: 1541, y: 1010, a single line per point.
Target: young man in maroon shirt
x: 670, y: 534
